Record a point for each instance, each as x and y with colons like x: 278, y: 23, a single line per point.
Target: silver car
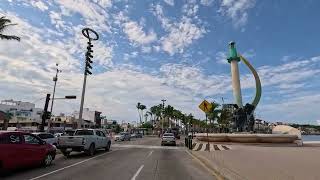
x: 124, y: 136
x: 47, y: 137
x: 168, y: 139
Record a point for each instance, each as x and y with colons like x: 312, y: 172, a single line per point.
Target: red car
x: 20, y: 149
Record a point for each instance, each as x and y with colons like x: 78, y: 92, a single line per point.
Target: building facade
x: 24, y: 115
x: 90, y: 118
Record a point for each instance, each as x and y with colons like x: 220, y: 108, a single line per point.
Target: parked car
x: 139, y: 135
x: 168, y: 139
x: 87, y: 140
x: 134, y: 135
x: 47, y: 137
x: 123, y: 136
x: 58, y: 134
x: 21, y: 149
x: 69, y: 132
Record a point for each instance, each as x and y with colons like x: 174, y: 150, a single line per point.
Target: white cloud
x: 318, y: 122
x: 39, y: 4
x: 221, y: 57
x: 134, y: 31
x: 95, y: 14
x: 236, y: 10
x: 181, y: 35
x: 206, y: 2
x: 169, y: 2
x: 136, y: 34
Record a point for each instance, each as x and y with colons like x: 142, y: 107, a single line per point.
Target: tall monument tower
x: 233, y: 59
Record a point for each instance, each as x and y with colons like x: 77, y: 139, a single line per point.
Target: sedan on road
x: 47, y: 137
x: 168, y: 139
x: 20, y: 149
x: 124, y: 136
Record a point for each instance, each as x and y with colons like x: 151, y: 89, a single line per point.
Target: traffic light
x: 88, y: 66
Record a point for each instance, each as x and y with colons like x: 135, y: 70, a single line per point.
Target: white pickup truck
x: 87, y: 140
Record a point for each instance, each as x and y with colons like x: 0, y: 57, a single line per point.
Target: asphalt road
x: 141, y: 159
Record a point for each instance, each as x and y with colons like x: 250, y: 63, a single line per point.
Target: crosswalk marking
x: 211, y: 147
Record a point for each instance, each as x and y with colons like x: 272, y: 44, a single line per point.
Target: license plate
x: 69, y: 149
x: 168, y: 141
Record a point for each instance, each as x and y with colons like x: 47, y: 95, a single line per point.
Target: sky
x: 165, y: 49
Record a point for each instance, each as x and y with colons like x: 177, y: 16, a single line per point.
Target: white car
x: 87, y: 140
x: 47, y: 137
x: 168, y: 139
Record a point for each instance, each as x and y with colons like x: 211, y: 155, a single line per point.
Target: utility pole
x: 86, y: 32
x: 45, y: 114
x: 55, y: 79
x: 163, y: 101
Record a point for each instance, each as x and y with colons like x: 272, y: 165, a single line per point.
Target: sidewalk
x: 264, y: 162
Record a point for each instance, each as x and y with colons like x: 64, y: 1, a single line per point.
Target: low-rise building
x: 24, y: 115
x: 90, y: 118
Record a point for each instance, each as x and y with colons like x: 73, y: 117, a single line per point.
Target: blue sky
x: 172, y: 49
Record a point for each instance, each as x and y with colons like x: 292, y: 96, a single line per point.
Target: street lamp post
x: 163, y: 101
x: 86, y: 33
x: 55, y: 79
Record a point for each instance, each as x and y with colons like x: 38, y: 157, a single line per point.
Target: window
x: 30, y: 139
x: 102, y: 134
x: 14, y: 139
x: 84, y: 132
x: 10, y: 139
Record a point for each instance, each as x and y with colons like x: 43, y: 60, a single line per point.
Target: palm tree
x: 7, y: 117
x: 142, y: 107
x: 4, y: 23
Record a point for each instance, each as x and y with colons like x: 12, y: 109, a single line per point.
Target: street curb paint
x: 208, y: 167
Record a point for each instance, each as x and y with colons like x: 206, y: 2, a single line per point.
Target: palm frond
x: 7, y: 37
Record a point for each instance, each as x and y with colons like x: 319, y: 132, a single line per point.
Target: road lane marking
x: 58, y: 170
x: 147, y: 146
x: 219, y: 177
x: 137, y: 173
x: 150, y: 153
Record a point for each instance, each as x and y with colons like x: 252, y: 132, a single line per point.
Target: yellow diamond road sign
x: 205, y: 106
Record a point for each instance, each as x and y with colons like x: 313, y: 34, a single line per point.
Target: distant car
x: 58, y: 134
x: 134, y: 135
x: 124, y: 136
x: 47, y: 137
x: 139, y: 135
x: 21, y: 149
x: 168, y: 139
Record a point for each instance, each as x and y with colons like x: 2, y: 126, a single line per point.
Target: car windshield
x: 84, y: 132
x: 168, y: 135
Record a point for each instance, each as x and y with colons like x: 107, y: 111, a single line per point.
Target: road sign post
x: 206, y: 107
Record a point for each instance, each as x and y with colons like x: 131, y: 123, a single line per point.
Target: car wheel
x: 91, y: 150
x: 65, y: 153
x: 108, y: 146
x: 48, y: 160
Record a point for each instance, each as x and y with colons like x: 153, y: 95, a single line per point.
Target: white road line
x: 212, y: 147
x: 220, y: 147
x: 150, y: 154
x: 137, y: 173
x: 55, y: 171
x: 196, y: 146
x: 204, y: 146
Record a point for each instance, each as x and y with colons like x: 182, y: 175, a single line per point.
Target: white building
x: 91, y: 118
x: 24, y: 114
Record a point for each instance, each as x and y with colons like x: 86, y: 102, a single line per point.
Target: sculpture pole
x: 233, y: 60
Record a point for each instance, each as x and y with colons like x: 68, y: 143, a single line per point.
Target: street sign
x: 205, y: 106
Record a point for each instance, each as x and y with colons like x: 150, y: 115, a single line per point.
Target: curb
x: 206, y: 165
